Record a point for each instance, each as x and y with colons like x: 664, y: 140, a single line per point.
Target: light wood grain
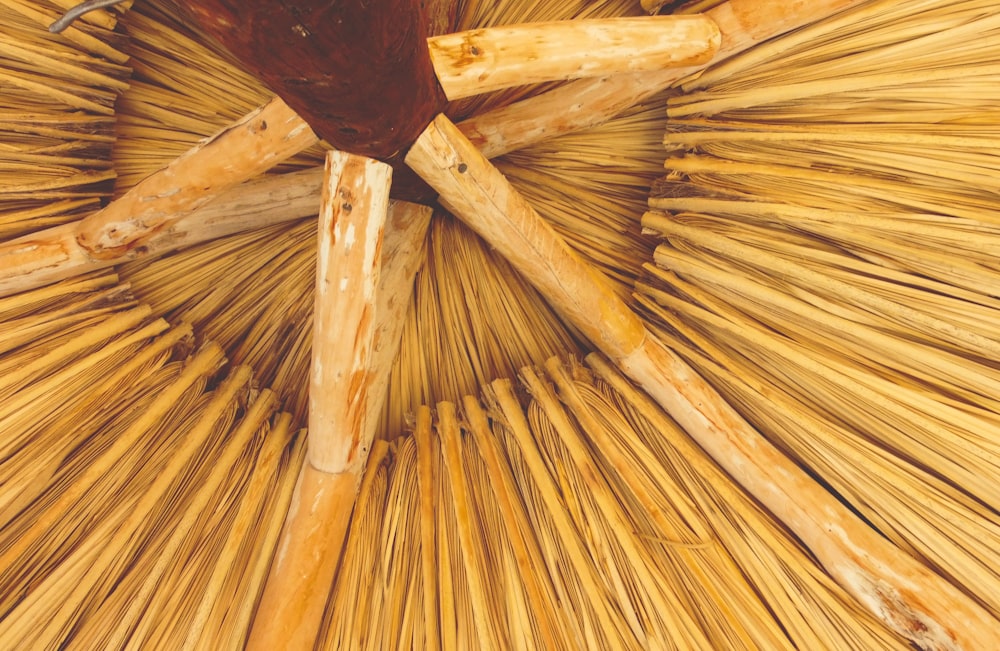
x: 402, y: 257
x: 128, y: 226
x: 588, y: 102
x: 369, y: 253
x: 264, y: 201
x: 485, y: 60
x: 291, y: 609
x: 251, y: 146
x: 351, y: 225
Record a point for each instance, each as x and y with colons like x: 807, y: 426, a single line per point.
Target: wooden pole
x: 349, y: 258
x: 125, y: 228
x: 485, y: 60
x: 249, y: 147
x: 898, y: 589
x: 368, y: 257
x: 588, y: 102
x: 54, y: 254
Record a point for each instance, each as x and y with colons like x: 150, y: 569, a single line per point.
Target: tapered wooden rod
x: 485, y: 60
x: 349, y: 259
x: 264, y: 201
x: 901, y: 591
x: 589, y: 102
x: 369, y: 252
x: 128, y: 226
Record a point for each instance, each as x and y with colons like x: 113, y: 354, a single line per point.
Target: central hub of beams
x: 359, y: 72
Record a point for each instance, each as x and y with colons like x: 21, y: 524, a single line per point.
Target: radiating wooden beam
x: 143, y: 219
x: 358, y: 72
x: 349, y: 261
x: 251, y: 146
x: 485, y: 60
x: 898, y: 589
x: 369, y: 253
x: 586, y: 103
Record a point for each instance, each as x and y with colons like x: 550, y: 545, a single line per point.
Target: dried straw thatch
x: 827, y: 257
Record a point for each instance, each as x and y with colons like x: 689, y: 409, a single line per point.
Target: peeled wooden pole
x: 652, y: 6
x: 485, y: 60
x: 364, y: 277
x: 899, y: 590
x: 349, y: 259
x: 589, y: 102
x: 125, y: 228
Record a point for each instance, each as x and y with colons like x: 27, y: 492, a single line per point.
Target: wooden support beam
x: 369, y: 253
x: 262, y: 202
x: 249, y: 147
x: 588, y: 102
x: 902, y: 592
x: 486, y: 60
x: 349, y: 259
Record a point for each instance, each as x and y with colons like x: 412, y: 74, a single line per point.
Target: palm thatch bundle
x: 839, y: 283
x: 821, y: 250
x: 57, y: 116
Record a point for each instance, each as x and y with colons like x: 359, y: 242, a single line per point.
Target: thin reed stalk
x: 57, y: 117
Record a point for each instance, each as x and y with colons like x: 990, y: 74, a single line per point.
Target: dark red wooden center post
x: 358, y: 71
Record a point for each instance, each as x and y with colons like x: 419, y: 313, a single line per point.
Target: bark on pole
x: 484, y: 60
x: 368, y: 255
x: 901, y: 591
